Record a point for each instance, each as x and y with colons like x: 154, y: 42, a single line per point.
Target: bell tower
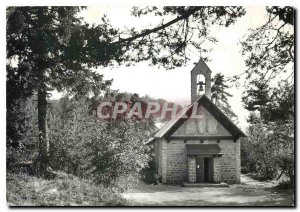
x: 200, y: 80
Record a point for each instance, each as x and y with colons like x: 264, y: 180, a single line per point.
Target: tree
x: 273, y: 104
x: 54, y: 51
x: 170, y: 43
x: 100, y: 150
x: 269, y: 53
x: 59, y: 50
x: 260, y: 151
x: 257, y: 96
x: 269, y: 148
x: 269, y: 49
x: 22, y: 134
x: 220, y: 96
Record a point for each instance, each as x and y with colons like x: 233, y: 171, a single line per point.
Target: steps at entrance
x: 206, y: 185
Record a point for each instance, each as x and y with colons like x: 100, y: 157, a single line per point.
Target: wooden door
x: 206, y: 170
x: 199, y: 170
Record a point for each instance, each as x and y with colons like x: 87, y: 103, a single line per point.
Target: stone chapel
x: 198, y: 150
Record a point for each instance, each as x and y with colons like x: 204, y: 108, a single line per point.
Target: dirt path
x: 249, y: 193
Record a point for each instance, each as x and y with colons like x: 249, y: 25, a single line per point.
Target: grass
x: 64, y: 190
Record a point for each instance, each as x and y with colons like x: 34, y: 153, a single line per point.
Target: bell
x: 201, y: 87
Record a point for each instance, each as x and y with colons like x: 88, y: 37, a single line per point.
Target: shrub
x: 63, y: 190
x: 269, y: 150
x: 101, y: 150
x: 148, y: 173
x: 22, y: 134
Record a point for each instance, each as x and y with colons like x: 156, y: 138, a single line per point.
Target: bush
x: 22, y: 134
x: 148, y: 173
x: 63, y: 190
x: 285, y: 185
x: 269, y: 150
x: 104, y: 151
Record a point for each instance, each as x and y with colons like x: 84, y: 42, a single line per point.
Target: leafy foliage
x: 55, y: 50
x: 170, y: 43
x: 148, y: 173
x: 104, y: 151
x: 268, y: 149
x: 274, y: 104
x: 257, y: 97
x: 52, y: 49
x: 22, y: 132
x: 269, y: 49
x: 220, y: 96
x: 18, y: 92
x: 269, y: 52
x: 58, y: 50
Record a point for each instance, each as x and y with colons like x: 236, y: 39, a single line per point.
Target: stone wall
x: 161, y: 158
x: 157, y: 155
x: 217, y: 169
x: 230, y: 161
x: 238, y: 158
x: 174, y: 161
x: 200, y: 68
x: 191, y: 169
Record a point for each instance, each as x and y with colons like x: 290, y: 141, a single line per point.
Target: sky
x: 174, y: 85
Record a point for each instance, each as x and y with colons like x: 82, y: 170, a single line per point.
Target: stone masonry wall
x: 217, y: 169
x: 238, y: 158
x: 230, y: 172
x: 156, y: 152
x: 163, y: 160
x: 191, y: 169
x: 200, y: 68
x: 174, y: 164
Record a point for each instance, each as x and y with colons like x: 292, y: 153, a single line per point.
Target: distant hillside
x: 130, y: 99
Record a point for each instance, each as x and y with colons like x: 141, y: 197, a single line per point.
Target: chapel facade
x: 205, y: 149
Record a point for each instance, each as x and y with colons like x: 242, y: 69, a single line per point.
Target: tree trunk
x: 42, y: 113
x: 283, y: 170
